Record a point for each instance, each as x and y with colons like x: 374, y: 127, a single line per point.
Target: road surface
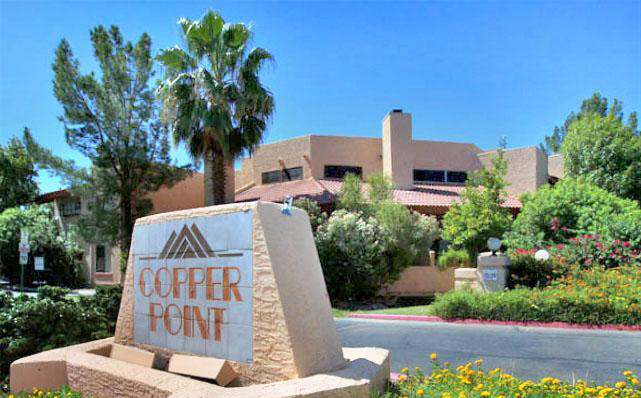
x: 526, y: 352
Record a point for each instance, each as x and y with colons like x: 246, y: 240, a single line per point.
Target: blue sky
x: 467, y: 71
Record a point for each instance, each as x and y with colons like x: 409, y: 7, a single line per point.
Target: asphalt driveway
x: 526, y: 352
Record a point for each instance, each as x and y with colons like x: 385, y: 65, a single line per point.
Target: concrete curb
x: 557, y: 325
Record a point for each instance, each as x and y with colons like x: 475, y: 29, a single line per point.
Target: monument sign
x: 193, y: 285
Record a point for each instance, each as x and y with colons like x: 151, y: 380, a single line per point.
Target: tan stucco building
x: 428, y: 176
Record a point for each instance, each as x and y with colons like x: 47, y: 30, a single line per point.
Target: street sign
x: 39, y: 263
x: 24, y: 236
x: 24, y: 258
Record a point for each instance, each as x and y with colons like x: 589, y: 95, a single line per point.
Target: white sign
x: 490, y: 275
x: 193, y: 285
x: 24, y: 247
x: 24, y: 235
x: 24, y: 258
x: 39, y: 263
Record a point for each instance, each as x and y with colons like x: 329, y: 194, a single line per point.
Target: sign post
x: 23, y: 249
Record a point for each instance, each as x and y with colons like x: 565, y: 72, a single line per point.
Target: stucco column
x: 398, y: 154
x: 492, y: 271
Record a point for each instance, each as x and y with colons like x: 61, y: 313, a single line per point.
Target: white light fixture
x: 541, y: 255
x: 494, y: 244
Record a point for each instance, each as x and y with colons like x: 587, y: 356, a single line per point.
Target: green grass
x: 413, y: 310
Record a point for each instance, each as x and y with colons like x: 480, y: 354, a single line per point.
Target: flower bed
x: 471, y: 381
x: 64, y: 392
x: 593, y: 296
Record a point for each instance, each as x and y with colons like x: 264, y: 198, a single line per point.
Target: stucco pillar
x: 492, y: 270
x: 398, y: 154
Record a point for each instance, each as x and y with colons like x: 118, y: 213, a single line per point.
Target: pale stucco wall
x: 556, y: 166
x: 186, y: 194
x: 422, y: 281
x: 527, y: 168
x: 345, y: 151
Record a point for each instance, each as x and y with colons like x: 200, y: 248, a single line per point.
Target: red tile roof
x: 51, y: 196
x: 325, y: 191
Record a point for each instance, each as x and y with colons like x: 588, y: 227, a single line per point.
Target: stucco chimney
x: 398, y: 154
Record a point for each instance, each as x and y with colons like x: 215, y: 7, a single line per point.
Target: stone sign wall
x: 240, y: 282
x: 193, y: 285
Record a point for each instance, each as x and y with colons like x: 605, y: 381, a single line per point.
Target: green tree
x: 480, y: 214
x: 60, y: 249
x: 605, y: 151
x: 593, y: 105
x: 112, y: 119
x: 213, y: 97
x: 17, y: 175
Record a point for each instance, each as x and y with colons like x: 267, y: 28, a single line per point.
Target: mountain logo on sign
x: 186, y: 244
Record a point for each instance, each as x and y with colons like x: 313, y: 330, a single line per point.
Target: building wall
x: 270, y: 157
x: 527, y: 168
x: 556, y: 166
x: 439, y: 155
x: 345, y: 151
x: 185, y: 194
x: 421, y: 281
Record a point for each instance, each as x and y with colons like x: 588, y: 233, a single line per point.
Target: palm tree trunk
x: 215, y: 177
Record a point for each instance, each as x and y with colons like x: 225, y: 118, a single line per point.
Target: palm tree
x: 213, y: 97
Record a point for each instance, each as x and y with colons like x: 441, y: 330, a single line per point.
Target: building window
x: 70, y: 208
x: 456, y: 176
x: 291, y: 174
x: 429, y: 175
x: 340, y: 171
x: 102, y: 262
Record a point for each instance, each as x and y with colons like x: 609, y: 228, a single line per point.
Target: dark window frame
x: 339, y: 171
x: 282, y: 175
x: 459, y: 173
x: 421, y: 175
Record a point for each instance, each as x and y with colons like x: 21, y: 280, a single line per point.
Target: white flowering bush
x: 351, y: 249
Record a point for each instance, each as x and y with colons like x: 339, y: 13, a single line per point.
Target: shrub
x: 589, y: 251
x: 472, y: 381
x: 555, y: 214
x: 454, y: 258
x: 351, y: 249
x: 371, y: 240
x: 596, y: 296
x: 61, y: 252
x: 52, y: 320
x: 526, y: 271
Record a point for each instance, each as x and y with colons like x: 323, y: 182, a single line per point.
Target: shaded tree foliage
x: 605, y: 151
x: 17, y: 175
x: 594, y: 105
x: 112, y: 119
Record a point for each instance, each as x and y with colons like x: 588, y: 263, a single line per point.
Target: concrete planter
x: 465, y: 278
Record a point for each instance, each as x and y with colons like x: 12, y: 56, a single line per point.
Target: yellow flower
x: 446, y: 395
x: 433, y: 356
x: 461, y: 394
x: 402, y: 377
x: 420, y: 392
x: 485, y: 394
x: 627, y: 373
x: 404, y: 370
x: 635, y: 381
x: 479, y: 386
x: 620, y: 384
x: 478, y: 361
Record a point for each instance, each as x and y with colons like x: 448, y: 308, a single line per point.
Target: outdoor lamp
x: 494, y: 244
x: 541, y: 255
